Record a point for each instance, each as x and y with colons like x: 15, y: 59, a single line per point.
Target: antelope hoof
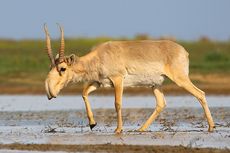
x: 211, y: 128
x: 118, y: 130
x: 141, y: 130
x: 92, y: 126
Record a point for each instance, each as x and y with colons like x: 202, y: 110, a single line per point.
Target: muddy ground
x: 108, y: 148
x: 176, y: 130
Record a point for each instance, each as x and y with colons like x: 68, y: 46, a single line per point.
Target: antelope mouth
x: 50, y: 95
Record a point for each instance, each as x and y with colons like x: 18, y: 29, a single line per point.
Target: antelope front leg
x: 118, y: 88
x: 87, y: 89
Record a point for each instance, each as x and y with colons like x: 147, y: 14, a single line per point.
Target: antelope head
x: 61, y: 69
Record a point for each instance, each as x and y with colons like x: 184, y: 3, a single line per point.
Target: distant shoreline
x: 211, y: 84
x: 169, y: 89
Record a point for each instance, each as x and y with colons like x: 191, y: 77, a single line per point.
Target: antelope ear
x: 70, y: 60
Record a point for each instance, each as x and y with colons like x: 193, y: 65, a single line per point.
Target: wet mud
x: 32, y: 124
x: 175, y: 130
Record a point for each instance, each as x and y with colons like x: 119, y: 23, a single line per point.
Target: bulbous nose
x: 49, y: 92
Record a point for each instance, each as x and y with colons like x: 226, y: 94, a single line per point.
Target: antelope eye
x: 62, y: 69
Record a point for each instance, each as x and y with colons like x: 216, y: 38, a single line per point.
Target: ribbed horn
x: 62, y: 45
x: 48, y: 46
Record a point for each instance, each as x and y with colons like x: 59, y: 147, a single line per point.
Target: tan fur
x: 128, y: 63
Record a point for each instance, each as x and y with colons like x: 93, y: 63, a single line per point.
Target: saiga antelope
x: 121, y: 64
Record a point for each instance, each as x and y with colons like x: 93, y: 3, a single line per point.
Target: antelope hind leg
x: 185, y: 82
x: 160, y: 105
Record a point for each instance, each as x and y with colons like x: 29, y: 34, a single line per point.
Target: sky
x: 182, y: 19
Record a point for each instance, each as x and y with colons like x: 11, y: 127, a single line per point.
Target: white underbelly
x: 144, y: 80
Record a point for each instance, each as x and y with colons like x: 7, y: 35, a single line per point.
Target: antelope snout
x: 49, y: 93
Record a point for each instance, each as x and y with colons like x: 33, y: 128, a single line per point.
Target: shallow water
x: 35, y: 120
x: 40, y: 103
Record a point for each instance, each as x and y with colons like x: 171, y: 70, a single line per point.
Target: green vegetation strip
x: 27, y: 60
